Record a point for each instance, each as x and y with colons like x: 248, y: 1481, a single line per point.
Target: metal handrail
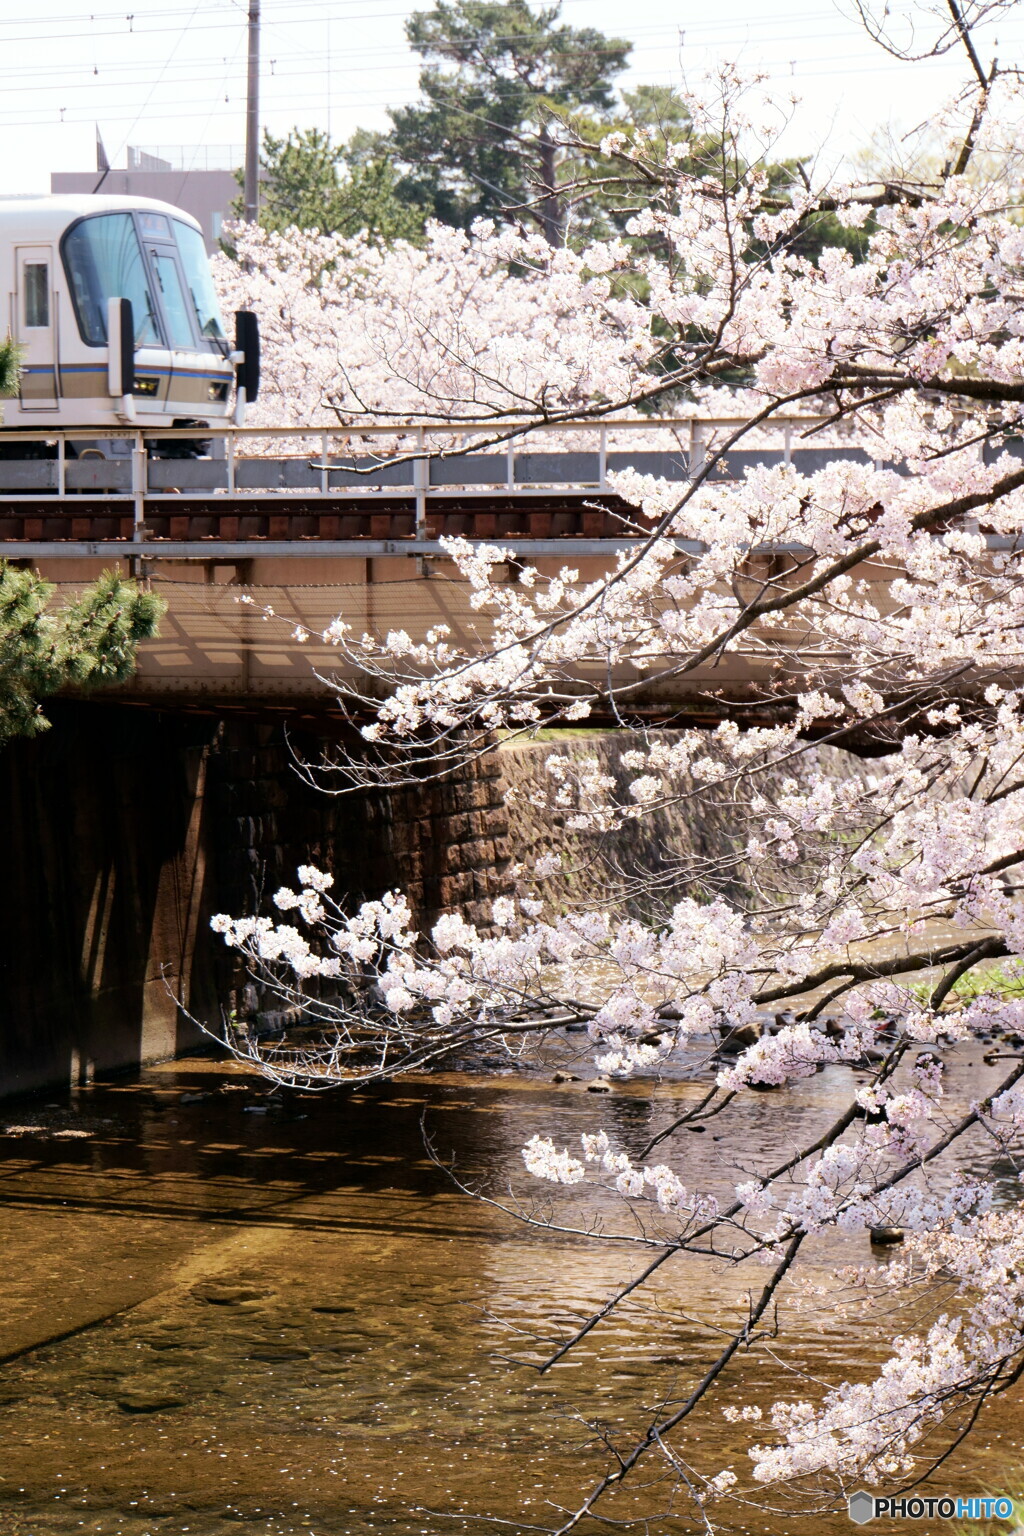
x: 509, y: 434
x: 369, y: 472
x: 459, y: 427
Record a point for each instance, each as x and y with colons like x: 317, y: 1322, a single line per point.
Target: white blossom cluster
x: 873, y: 594
x: 657, y: 1182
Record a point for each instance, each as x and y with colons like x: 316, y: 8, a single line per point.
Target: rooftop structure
x: 198, y: 178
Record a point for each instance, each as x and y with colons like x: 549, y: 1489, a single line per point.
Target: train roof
x: 46, y: 217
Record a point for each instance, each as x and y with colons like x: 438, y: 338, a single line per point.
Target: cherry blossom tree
x: 354, y: 332
x: 852, y: 922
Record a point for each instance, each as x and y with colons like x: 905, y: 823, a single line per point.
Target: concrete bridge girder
x: 231, y: 635
x: 319, y: 532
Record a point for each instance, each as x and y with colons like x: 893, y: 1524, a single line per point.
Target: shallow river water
x: 224, y: 1312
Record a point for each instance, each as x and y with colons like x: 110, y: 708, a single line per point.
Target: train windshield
x: 104, y: 261
x: 196, y: 264
x: 179, y: 326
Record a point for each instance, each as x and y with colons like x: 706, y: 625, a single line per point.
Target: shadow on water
x: 231, y: 1309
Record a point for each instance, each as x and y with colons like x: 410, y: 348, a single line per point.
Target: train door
x: 35, y: 326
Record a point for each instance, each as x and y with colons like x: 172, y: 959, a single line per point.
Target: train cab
x: 112, y: 305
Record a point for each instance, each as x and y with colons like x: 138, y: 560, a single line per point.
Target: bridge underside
x: 231, y: 644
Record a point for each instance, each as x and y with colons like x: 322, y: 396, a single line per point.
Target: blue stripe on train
x: 179, y: 373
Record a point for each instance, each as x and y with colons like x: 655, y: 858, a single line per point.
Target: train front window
x: 103, y: 260
x: 196, y: 263
x: 175, y: 306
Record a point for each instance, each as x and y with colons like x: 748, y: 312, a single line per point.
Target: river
x: 229, y: 1311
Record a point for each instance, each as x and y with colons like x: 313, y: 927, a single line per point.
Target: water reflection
x: 225, y: 1310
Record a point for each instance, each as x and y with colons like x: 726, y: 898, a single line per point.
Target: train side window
x: 36, y: 276
x: 104, y: 261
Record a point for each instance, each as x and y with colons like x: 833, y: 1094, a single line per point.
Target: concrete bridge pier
x: 126, y: 828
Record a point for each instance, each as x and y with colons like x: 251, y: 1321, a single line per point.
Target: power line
x: 881, y: 65
x: 44, y: 21
x: 393, y: 65
x: 374, y: 52
x: 361, y: 102
x: 404, y: 13
x: 397, y: 66
x: 358, y: 53
x: 293, y: 16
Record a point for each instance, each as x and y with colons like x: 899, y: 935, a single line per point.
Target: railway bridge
x: 311, y: 524
x: 147, y: 809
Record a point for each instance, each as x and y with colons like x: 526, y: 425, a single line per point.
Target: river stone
x: 149, y: 1397
x: 882, y: 1236
x: 734, y: 1038
x: 276, y: 1352
x: 222, y: 1294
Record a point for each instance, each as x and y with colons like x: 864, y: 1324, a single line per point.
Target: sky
x: 170, y: 74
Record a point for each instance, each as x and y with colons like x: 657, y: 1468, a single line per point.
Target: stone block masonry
x: 127, y: 828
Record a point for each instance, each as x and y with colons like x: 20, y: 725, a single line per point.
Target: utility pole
x: 251, y: 191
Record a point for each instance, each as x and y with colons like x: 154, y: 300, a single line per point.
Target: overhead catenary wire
x: 149, y: 98
x: 299, y: 103
x: 770, y: 22
x: 359, y: 54
x: 72, y: 91
x: 768, y: 19
x: 819, y: 65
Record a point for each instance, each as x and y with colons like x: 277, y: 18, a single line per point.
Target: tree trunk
x: 549, y: 211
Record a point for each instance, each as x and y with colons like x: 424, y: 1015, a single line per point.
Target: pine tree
x: 10, y: 367
x: 90, y: 643
x: 312, y: 183
x: 485, y: 139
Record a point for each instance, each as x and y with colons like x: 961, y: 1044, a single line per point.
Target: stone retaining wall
x: 666, y: 841
x: 126, y: 829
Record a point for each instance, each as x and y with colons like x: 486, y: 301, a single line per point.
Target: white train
x: 112, y: 304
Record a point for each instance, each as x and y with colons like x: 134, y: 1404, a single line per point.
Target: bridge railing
x: 429, y: 458
x: 374, y: 481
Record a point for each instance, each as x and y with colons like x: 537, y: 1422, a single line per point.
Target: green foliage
x: 981, y: 979
x: 484, y: 139
x: 335, y: 188
x: 90, y: 644
x: 514, y: 108
x: 10, y: 367
x: 818, y: 230
x: 990, y: 1527
x: 603, y: 191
